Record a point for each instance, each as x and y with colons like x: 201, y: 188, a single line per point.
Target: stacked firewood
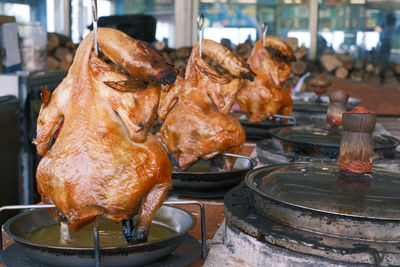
x: 298, y: 67
x: 177, y: 57
x: 60, y: 51
x: 341, y: 66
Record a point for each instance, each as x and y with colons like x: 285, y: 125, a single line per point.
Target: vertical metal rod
x: 96, y: 241
x: 200, y: 24
x: 264, y: 29
x: 203, y: 230
x: 96, y: 44
x: 202, y: 218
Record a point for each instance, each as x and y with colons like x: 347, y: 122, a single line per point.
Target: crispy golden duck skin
x: 104, y: 161
x: 196, y: 107
x: 267, y: 95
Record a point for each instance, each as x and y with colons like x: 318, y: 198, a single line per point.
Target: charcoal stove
x: 319, y: 214
x: 313, y: 214
x: 178, y: 249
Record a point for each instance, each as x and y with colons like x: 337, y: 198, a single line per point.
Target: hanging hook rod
x: 96, y: 44
x: 200, y: 24
x: 264, y: 29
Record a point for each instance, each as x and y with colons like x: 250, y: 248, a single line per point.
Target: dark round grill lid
x: 321, y: 187
x: 324, y: 137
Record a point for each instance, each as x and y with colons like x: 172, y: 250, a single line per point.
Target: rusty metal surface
x: 241, y: 213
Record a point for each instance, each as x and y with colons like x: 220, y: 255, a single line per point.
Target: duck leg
x: 127, y: 231
x: 148, y: 209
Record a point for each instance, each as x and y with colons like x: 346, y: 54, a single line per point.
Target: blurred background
x: 362, y: 28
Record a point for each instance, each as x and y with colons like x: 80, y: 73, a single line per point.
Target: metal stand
x: 252, y: 162
x: 96, y: 226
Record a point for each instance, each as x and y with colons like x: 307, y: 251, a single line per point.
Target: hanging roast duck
x: 267, y: 95
x: 103, y: 160
x: 196, y: 107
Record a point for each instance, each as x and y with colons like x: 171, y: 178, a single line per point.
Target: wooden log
x: 396, y: 69
x: 300, y: 53
x: 341, y: 72
x: 63, y: 39
x: 392, y: 82
x: 52, y: 63
x: 64, y: 65
x: 388, y: 75
x: 298, y: 67
x: 226, y: 43
x: 179, y: 63
x: 377, y: 70
x: 356, y: 76
x: 369, y: 67
x: 63, y: 54
x: 183, y: 52
x: 171, y: 55
x: 358, y: 64
x: 168, y: 57
x: 52, y: 42
x: 70, y: 45
x: 349, y: 65
x: 293, y: 43
x: 344, y: 57
x: 243, y: 50
x: 330, y: 62
x: 160, y: 45
x: 371, y: 77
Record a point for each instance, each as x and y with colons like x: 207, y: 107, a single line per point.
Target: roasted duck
x: 196, y: 107
x: 267, y: 95
x: 103, y: 161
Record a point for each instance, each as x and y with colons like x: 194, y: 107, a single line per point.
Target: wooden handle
x: 359, y: 122
x: 339, y: 96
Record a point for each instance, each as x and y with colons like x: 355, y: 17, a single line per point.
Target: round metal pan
x: 319, y: 198
x: 258, y: 131
x: 18, y: 227
x: 198, y: 183
x: 321, y: 141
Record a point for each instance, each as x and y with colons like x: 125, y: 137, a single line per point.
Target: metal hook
x: 264, y: 29
x: 96, y: 44
x: 200, y: 23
